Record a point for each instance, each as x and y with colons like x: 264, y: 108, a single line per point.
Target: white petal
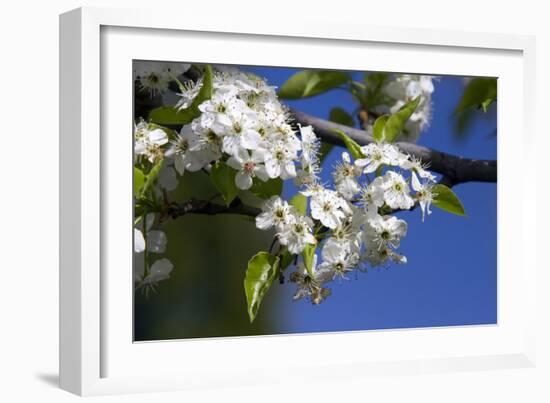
x: 156, y: 241
x: 243, y: 180
x: 158, y: 136
x: 139, y: 241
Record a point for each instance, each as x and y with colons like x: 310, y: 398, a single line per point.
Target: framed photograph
x: 245, y: 203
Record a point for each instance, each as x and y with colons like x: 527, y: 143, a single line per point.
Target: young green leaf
x: 479, y: 93
x: 265, y: 190
x: 308, y: 83
x: 223, y: 178
x: 167, y: 115
x: 447, y: 200
x: 151, y: 178
x: 338, y: 115
x: 139, y: 181
x: 378, y: 128
x: 307, y: 255
x: 261, y: 271
x: 396, y: 122
x: 299, y: 201
x: 352, y: 146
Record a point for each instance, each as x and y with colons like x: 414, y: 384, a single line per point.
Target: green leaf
x: 299, y: 201
x: 447, y: 200
x: 308, y: 83
x: 479, y: 93
x: 338, y: 115
x: 151, y: 178
x: 168, y: 115
x: 378, y: 128
x: 261, y: 271
x: 396, y: 122
x: 352, y: 146
x: 223, y: 178
x: 265, y: 190
x: 139, y: 181
x: 308, y: 254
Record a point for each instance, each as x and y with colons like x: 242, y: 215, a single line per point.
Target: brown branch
x: 194, y: 206
x: 454, y: 168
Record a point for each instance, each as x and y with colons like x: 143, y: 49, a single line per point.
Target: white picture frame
x: 96, y: 354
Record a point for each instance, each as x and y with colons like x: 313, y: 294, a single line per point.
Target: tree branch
x: 194, y: 206
x: 454, y: 168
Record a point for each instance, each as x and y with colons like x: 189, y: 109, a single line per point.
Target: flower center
x: 385, y: 235
x: 279, y: 213
x: 327, y: 207
x: 279, y: 155
x: 398, y: 187
x: 237, y: 127
x: 249, y: 166
x: 221, y: 108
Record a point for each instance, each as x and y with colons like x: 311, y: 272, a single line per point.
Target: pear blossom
x: 345, y: 177
x: 396, y: 191
x: 424, y: 194
x: 377, y: 155
x: 249, y: 166
x: 337, y: 260
x: 184, y: 158
x: 297, y: 234
x: 309, y: 283
x: 384, y: 231
x: 275, y: 213
x: 372, y: 197
x: 149, y: 142
x: 238, y: 129
x: 329, y: 208
x: 139, y: 241
x: 279, y: 161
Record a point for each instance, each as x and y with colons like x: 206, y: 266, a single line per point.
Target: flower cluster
x: 404, y: 88
x: 352, y: 223
x: 243, y: 123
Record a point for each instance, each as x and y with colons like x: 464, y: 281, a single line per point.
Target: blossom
x: 310, y: 145
x: 149, y: 142
x: 160, y: 270
x: 248, y: 166
x: 385, y: 231
x: 329, y: 208
x: 184, y: 158
x: 423, y: 194
x: 372, y: 197
x: 379, y: 256
x: 309, y: 283
x: 297, y: 234
x: 154, y: 77
x: 345, y: 179
x: 275, y: 213
x: 337, y: 259
x: 396, y: 191
x: 377, y: 155
x: 415, y: 165
x: 279, y: 161
x: 238, y: 129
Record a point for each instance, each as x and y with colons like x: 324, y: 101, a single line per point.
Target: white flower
x: 329, y: 208
x: 279, y: 161
x: 378, y: 256
x: 149, y: 142
x: 297, y: 234
x: 184, y: 158
x: 156, y: 241
x: 337, y: 259
x: 275, y: 213
x: 154, y: 77
x: 372, y: 197
x: 345, y: 177
x: 396, y: 191
x: 139, y: 241
x: 248, y: 167
x: 160, y: 270
x: 424, y: 195
x: 310, y: 145
x: 415, y: 165
x: 238, y: 128
x: 379, y: 154
x: 310, y: 285
x: 381, y: 232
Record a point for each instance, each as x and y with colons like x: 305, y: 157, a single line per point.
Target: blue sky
x: 451, y: 275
